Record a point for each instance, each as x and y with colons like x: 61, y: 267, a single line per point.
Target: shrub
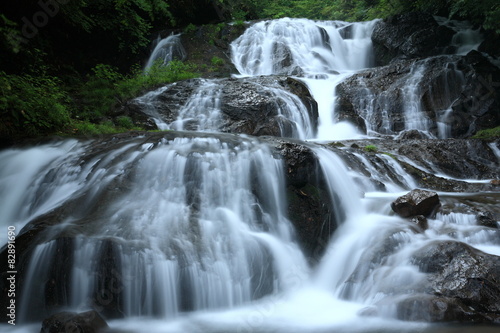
x: 107, y: 87
x: 216, y: 61
x: 371, y: 148
x: 32, y: 105
x: 125, y: 122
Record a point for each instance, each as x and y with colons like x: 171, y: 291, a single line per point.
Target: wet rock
x: 491, y: 44
x: 309, y: 204
x: 282, y: 59
x: 255, y: 106
x: 486, y: 219
x: 463, y: 159
x: 85, y: 322
x: 412, y: 135
x: 461, y: 93
x: 460, y: 272
x: 420, y: 221
x: 426, y: 308
x: 416, y: 202
x: 409, y: 35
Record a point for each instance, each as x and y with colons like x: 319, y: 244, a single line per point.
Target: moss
x: 390, y: 155
x: 87, y: 128
x: 336, y: 144
x: 125, y: 122
x: 371, y: 149
x: 216, y: 61
x: 488, y: 134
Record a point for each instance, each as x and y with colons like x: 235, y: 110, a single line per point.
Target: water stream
x: 192, y: 232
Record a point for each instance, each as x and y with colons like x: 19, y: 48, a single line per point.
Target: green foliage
x: 491, y: 133
x: 126, y: 22
x: 9, y: 34
x: 87, y: 128
x: 32, y: 105
x: 190, y: 28
x: 106, y: 88
x: 216, y: 61
x: 371, y: 148
x: 125, y: 122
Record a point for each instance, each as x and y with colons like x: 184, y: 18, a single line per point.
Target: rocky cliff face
x: 459, y: 91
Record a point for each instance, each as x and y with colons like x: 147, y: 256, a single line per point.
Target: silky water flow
x: 193, y: 232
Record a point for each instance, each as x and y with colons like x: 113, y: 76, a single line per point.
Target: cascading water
x: 202, y: 111
x: 190, y: 233
x: 322, y: 53
x: 206, y: 107
x: 166, y: 50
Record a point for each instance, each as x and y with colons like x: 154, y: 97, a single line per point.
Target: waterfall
x: 295, y: 46
x: 203, y: 227
x: 166, y: 50
x: 321, y: 53
x: 183, y: 231
x: 203, y: 109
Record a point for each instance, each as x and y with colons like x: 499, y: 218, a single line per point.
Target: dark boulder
x: 462, y: 273
x: 486, y: 219
x: 427, y: 308
x: 459, y: 158
x: 451, y: 96
x: 416, y: 202
x: 309, y: 204
x: 410, y: 35
x: 420, y: 221
x: 85, y: 322
x: 255, y: 106
x: 491, y: 44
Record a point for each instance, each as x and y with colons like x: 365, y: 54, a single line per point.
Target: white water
x: 166, y: 49
x: 199, y: 252
x: 201, y: 112
x: 314, y: 50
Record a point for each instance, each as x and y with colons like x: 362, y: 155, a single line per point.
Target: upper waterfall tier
x: 300, y: 46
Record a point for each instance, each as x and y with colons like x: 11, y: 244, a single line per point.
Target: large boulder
x: 437, y: 309
x: 85, y: 322
x: 410, y: 35
x: 416, y: 202
x: 447, y: 96
x: 459, y: 158
x: 277, y: 106
x: 309, y: 205
x: 462, y: 277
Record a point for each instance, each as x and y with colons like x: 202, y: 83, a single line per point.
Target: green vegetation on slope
x: 33, y: 105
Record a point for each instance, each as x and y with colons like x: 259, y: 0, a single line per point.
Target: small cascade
x: 166, y: 49
x: 414, y: 117
x: 35, y: 180
x: 466, y: 38
x: 209, y: 106
x: 202, y: 111
x: 294, y: 119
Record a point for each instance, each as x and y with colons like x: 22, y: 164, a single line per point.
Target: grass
x: 371, y: 149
